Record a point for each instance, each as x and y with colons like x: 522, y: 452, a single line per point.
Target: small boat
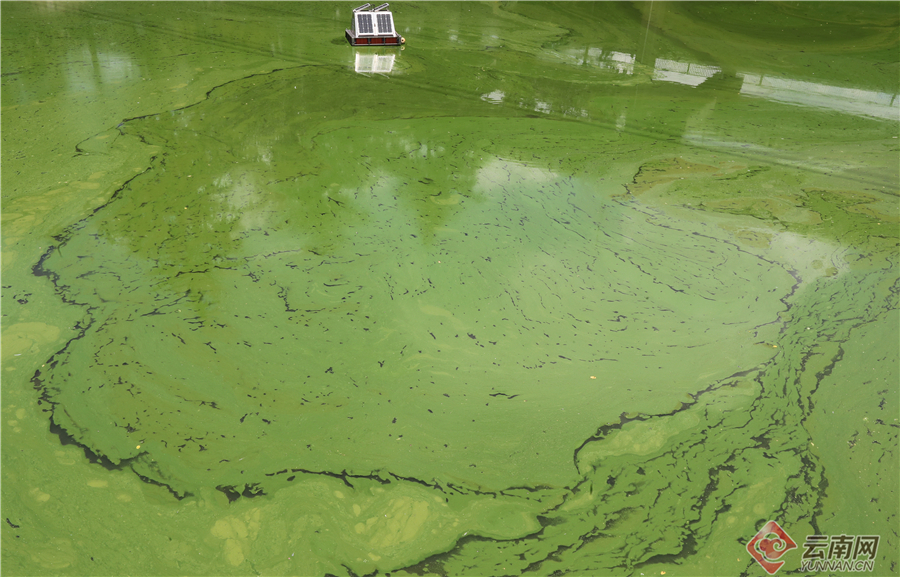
x: 373, y: 27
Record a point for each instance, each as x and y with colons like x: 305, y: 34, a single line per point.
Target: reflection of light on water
x: 789, y: 91
x: 116, y: 67
x: 265, y: 154
x: 103, y: 68
x: 496, y: 96
x: 812, y: 258
x: 241, y: 202
x: 619, y: 62
x: 374, y: 63
x: 687, y: 73
x: 700, y: 138
x: 501, y: 170
x: 849, y: 100
x: 542, y: 107
x: 781, y: 156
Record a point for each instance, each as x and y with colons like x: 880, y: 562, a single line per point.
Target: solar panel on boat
x: 373, y: 27
x: 385, y: 25
x: 364, y: 24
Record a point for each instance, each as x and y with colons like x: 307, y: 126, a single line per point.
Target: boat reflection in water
x: 366, y: 61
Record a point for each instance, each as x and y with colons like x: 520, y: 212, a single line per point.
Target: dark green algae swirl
x: 453, y: 335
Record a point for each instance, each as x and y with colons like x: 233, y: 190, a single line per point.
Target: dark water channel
x: 556, y: 288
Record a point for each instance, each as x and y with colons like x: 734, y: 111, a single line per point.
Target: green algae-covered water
x: 563, y: 288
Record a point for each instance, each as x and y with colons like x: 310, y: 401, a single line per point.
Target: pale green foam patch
x: 640, y: 438
x: 322, y: 526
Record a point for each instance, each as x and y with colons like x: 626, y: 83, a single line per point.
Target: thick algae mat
x: 537, y: 303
